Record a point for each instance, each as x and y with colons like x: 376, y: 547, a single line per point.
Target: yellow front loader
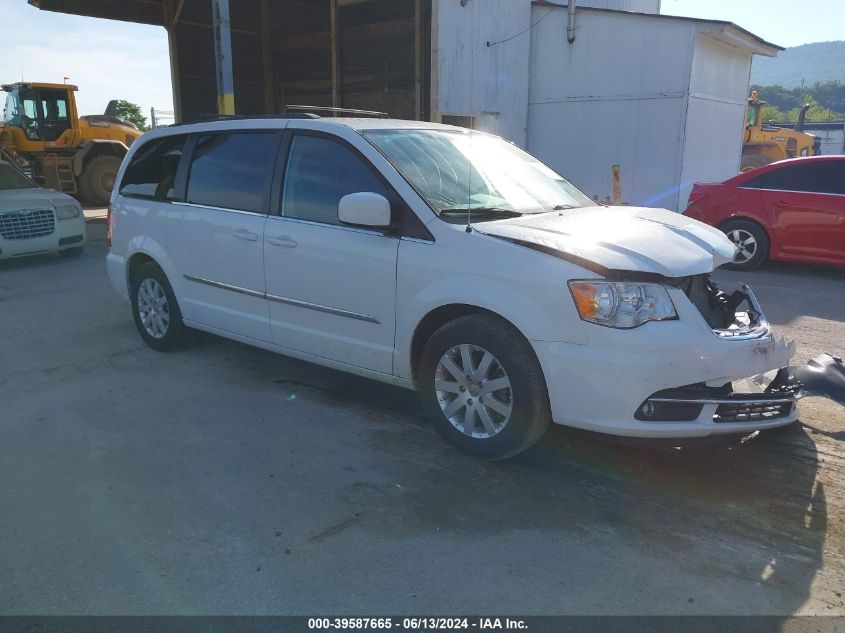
x: 764, y: 144
x: 79, y: 155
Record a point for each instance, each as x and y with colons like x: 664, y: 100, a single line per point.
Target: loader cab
x: 754, y: 112
x: 42, y: 112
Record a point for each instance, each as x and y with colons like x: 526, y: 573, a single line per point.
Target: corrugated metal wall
x: 616, y: 96
x: 716, y: 113
x: 473, y: 79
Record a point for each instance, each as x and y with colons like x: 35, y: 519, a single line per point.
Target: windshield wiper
x: 480, y: 211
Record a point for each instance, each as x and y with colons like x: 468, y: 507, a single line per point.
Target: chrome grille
x: 27, y: 224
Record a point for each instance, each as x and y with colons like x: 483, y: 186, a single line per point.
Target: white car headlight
x: 67, y: 211
x: 621, y: 304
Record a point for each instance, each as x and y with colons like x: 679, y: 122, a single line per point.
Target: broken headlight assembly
x: 621, y: 304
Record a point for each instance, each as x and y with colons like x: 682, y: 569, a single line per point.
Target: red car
x: 792, y: 210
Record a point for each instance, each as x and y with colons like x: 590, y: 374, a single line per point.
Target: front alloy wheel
x: 474, y: 391
x: 482, y: 386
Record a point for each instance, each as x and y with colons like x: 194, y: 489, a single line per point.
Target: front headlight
x: 67, y: 211
x: 621, y: 304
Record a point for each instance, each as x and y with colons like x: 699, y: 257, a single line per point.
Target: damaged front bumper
x: 673, y: 379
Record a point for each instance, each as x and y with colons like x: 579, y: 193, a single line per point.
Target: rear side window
x: 811, y: 177
x: 319, y: 173
x: 233, y: 171
x: 152, y: 171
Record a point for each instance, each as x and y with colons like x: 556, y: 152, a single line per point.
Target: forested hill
x: 817, y: 62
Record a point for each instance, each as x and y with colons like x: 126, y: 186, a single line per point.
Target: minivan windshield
x: 11, y: 178
x: 462, y: 172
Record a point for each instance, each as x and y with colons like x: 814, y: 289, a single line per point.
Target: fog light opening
x: 647, y: 410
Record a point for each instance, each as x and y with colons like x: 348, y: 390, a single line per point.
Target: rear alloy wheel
x: 154, y: 309
x: 751, y: 242
x: 482, y: 387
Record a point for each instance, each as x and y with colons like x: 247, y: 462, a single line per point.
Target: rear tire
x: 752, y: 241
x: 483, y: 388
x: 155, y: 310
x: 97, y: 180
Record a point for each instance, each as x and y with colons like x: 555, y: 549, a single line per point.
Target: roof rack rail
x: 204, y: 117
x: 290, y: 110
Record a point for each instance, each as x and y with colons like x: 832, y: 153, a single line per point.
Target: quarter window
x: 319, y: 173
x: 233, y: 171
x: 152, y: 171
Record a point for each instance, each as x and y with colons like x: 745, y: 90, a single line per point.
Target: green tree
x: 132, y: 113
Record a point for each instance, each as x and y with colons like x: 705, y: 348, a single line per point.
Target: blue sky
x: 783, y: 22
x: 107, y: 59
x: 116, y: 60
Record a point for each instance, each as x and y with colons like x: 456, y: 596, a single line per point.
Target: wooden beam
x: 335, y: 44
x: 175, y: 18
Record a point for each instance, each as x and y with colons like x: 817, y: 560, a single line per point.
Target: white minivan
x: 448, y: 261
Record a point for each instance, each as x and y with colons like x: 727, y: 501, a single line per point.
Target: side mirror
x: 364, y: 209
x: 40, y: 180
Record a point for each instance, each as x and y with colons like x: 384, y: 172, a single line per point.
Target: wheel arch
x: 745, y: 218
x: 752, y: 220
x: 440, y: 316
x: 93, y: 148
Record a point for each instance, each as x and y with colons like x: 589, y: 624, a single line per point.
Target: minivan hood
x: 32, y: 198
x: 634, y: 239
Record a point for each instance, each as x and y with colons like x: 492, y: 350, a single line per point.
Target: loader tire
x: 97, y: 180
x: 752, y: 161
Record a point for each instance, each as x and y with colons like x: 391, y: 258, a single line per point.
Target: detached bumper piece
x: 823, y: 376
x: 687, y: 403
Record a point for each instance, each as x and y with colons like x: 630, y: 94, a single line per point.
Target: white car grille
x: 27, y: 224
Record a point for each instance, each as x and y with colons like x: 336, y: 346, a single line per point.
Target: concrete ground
x: 229, y: 480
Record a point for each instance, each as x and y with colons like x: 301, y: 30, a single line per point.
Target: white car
x: 34, y: 220
x: 449, y: 261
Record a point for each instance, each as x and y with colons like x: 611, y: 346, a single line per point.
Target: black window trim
x: 402, y: 216
x: 749, y: 186
x: 178, y: 185
x: 183, y: 172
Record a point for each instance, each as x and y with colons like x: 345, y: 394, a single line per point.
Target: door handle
x: 282, y: 240
x: 243, y: 234
x: 780, y: 204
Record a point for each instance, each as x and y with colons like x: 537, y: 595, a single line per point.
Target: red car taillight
x: 695, y: 196
x: 109, y: 226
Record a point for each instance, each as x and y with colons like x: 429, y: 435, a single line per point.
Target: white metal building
x: 612, y: 82
x: 663, y: 97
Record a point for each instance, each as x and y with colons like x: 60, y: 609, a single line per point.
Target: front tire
x: 97, y: 180
x: 751, y: 241
x: 483, y: 388
x: 155, y: 310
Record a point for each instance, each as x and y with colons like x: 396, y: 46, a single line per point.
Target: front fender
x: 552, y: 318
